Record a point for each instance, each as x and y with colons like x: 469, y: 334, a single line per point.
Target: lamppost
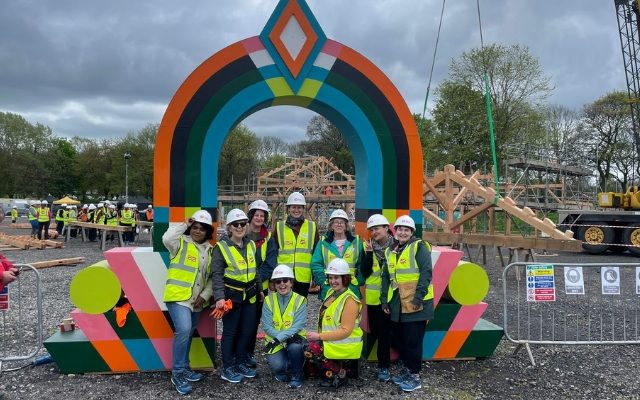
x: 127, y: 156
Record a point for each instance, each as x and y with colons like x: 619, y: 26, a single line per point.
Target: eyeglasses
x: 238, y: 224
x: 279, y: 281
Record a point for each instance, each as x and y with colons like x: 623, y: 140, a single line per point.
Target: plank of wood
x: 55, y: 263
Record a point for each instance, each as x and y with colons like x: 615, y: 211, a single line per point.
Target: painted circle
x: 468, y: 284
x: 95, y: 290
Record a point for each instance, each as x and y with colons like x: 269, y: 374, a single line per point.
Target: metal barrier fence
x: 21, y: 309
x: 571, y: 304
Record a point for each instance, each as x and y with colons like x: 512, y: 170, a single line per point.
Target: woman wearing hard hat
x: 188, y: 288
x: 235, y: 280
x: 296, y: 238
x: 407, y: 272
x: 339, y: 242
x: 378, y: 321
x: 284, y: 317
x: 339, y: 325
x: 266, y: 255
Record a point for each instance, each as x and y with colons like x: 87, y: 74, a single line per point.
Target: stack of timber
x: 57, y: 263
x: 25, y: 242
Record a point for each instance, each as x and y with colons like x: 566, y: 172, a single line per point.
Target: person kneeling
x: 283, y: 319
x: 339, y: 324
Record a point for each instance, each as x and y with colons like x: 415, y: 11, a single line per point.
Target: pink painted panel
x: 447, y: 261
x: 253, y: 44
x: 123, y: 264
x: 332, y: 47
x: 164, y: 348
x: 95, y: 326
x: 207, y: 325
x: 468, y: 317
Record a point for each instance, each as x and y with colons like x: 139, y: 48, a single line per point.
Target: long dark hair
x: 208, y: 228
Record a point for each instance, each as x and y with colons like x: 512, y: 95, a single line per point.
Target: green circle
x: 469, y: 284
x: 95, y: 290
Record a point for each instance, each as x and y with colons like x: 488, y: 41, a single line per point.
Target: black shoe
x: 251, y: 361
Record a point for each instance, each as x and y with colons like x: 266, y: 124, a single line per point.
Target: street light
x: 127, y: 156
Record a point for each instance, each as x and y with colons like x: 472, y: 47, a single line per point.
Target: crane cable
x: 487, y: 95
x: 433, y: 63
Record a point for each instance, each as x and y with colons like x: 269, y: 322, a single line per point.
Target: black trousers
x: 301, y: 288
x: 237, y: 330
x: 408, y: 337
x: 380, y: 330
x: 252, y: 344
x: 43, y: 226
x: 59, y: 226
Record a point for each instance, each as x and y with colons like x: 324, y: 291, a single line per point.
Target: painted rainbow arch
x: 290, y: 63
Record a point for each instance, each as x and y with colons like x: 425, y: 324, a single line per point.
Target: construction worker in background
x: 60, y: 218
x: 296, y: 238
x: 73, y: 216
x: 284, y: 317
x: 14, y: 214
x: 136, y: 219
x: 407, y: 271
x: 188, y: 289
x: 339, y: 326
x: 100, y: 213
x: 91, y: 215
x: 339, y: 242
x: 33, y: 217
x: 379, y: 322
x: 266, y: 255
x: 44, y: 219
x: 149, y: 213
x: 82, y: 216
x: 126, y: 219
x: 234, y: 278
x: 66, y: 217
x: 111, y: 219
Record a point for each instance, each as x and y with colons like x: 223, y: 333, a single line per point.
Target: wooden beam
x: 472, y: 214
x: 55, y: 263
x: 503, y: 241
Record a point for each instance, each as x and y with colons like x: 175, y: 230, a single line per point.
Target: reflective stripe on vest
x: 60, y: 215
x: 66, y: 216
x: 238, y: 268
x: 33, y: 214
x: 373, y: 285
x: 126, y: 217
x: 403, y: 268
x: 113, y: 218
x: 283, y: 321
x: 349, y: 348
x: 43, y: 215
x: 263, y: 255
x: 182, y: 272
x: 297, y: 252
x: 350, y: 255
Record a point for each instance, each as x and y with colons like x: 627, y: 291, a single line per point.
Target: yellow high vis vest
x: 182, y: 272
x: 373, y: 285
x: 283, y: 321
x: 238, y: 268
x: 349, y: 348
x: 296, y: 253
x: 404, y: 269
x: 263, y: 255
x: 43, y: 214
x: 350, y: 255
x: 33, y: 213
x: 126, y: 217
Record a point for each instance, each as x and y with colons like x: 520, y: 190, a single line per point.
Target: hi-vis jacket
x: 297, y: 252
x: 349, y: 348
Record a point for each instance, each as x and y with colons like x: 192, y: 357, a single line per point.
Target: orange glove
x: 121, y: 314
x: 218, y: 313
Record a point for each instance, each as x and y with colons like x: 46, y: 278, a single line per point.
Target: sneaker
x: 411, y: 383
x: 193, y: 376
x: 296, y: 382
x: 384, y: 375
x: 251, y: 361
x: 401, y: 377
x: 229, y: 374
x: 182, y: 386
x: 245, y: 371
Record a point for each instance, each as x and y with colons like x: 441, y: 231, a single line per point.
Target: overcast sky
x: 102, y: 69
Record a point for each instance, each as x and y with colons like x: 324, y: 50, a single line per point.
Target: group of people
x: 253, y: 275
x: 105, y: 213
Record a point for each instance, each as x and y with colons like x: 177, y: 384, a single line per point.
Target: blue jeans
x: 184, y: 323
x: 290, y: 357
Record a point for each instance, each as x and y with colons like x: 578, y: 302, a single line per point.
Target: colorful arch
x: 319, y: 74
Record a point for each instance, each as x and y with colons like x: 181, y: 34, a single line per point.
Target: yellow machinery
x: 627, y: 201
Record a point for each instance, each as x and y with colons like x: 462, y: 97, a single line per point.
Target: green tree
x: 60, y: 166
x: 239, y: 157
x: 324, y: 139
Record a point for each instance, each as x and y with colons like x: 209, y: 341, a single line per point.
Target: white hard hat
x: 339, y: 214
x: 85, y: 206
x: 236, y: 215
x: 107, y: 202
x: 69, y: 207
x: 92, y: 207
x: 149, y: 206
x: 37, y: 202
x: 44, y: 202
x: 405, y: 220
x: 100, y: 203
x: 134, y: 206
x: 64, y: 204
x: 203, y: 217
x: 14, y: 207
x: 126, y: 205
x: 296, y: 199
x: 113, y: 206
x: 259, y: 205
x: 377, y: 220
x: 338, y: 266
x: 282, y: 271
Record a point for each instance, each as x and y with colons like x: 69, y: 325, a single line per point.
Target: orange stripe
x: 451, y: 344
x: 116, y: 356
x: 155, y: 324
x: 162, y: 155
x: 177, y: 214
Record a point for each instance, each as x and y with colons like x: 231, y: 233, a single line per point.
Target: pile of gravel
x: 561, y: 372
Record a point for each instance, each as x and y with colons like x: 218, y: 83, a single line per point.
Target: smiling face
x: 237, y: 230
x: 282, y: 285
x: 198, y: 232
x: 335, y: 281
x: 379, y: 233
x: 296, y: 211
x: 403, y: 234
x: 258, y: 220
x: 339, y: 226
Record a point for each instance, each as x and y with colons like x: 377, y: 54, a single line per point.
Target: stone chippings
x: 561, y: 372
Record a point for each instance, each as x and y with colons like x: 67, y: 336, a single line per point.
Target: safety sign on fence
x: 610, y: 280
x: 540, y: 283
x: 573, y: 280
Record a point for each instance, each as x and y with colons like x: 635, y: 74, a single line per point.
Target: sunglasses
x: 238, y: 224
x: 279, y: 281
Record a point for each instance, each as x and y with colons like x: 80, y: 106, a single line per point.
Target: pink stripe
x: 253, y: 44
x: 164, y: 348
x: 468, y: 317
x: 332, y: 48
x: 95, y: 326
x: 123, y: 264
x: 445, y: 265
x: 207, y: 326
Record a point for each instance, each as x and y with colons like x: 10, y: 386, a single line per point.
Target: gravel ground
x: 603, y: 372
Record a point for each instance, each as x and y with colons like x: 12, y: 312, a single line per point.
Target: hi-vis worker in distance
x: 296, y: 238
